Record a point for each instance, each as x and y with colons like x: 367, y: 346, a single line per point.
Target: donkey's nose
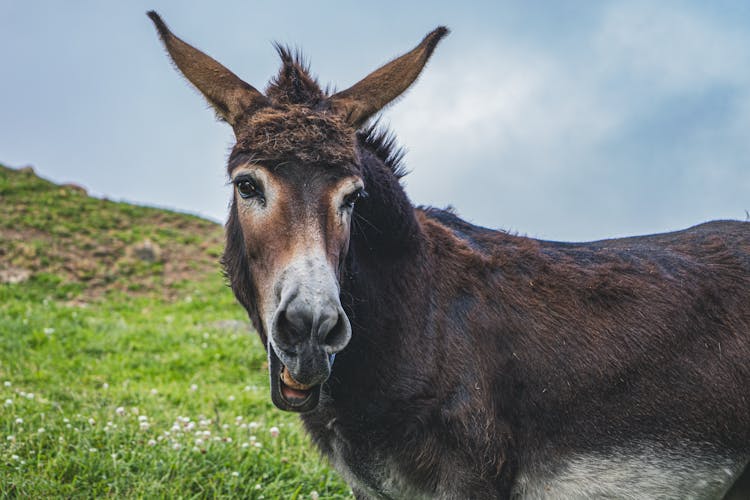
x: 302, y: 321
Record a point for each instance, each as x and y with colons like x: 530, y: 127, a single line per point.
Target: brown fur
x: 296, y: 133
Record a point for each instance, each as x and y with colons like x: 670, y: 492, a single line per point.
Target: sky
x: 558, y: 120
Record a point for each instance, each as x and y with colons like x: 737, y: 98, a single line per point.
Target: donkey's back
x: 629, y: 359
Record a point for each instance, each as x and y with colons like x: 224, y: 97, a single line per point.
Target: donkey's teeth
x: 289, y: 381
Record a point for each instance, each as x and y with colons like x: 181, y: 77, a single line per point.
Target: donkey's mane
x: 294, y: 84
x: 382, y: 142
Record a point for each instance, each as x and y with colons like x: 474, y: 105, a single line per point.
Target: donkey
x: 432, y: 358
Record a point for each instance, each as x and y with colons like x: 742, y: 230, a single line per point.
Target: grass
x: 149, y: 385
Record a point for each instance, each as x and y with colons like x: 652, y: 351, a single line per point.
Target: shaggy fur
x: 488, y: 365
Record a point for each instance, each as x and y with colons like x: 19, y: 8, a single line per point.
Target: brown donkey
x: 431, y: 358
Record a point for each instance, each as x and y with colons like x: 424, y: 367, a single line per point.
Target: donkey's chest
x: 377, y: 471
x: 377, y: 476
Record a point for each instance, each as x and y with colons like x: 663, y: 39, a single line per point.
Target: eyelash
x: 352, y: 198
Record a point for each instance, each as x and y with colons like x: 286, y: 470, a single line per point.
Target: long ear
x: 365, y: 98
x: 226, y: 92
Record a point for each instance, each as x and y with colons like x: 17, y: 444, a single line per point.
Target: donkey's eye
x: 351, y: 199
x: 248, y: 188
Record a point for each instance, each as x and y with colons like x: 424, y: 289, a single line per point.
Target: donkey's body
x: 471, y: 363
x: 608, y: 369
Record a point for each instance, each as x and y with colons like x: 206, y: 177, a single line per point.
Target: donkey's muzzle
x: 308, y: 328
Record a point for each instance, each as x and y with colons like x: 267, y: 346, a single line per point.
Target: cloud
x: 615, y: 134
x: 671, y: 48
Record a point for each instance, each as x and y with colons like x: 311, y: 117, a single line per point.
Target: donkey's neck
x: 384, y: 223
x: 385, y: 264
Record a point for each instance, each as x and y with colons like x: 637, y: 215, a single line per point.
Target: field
x: 126, y: 368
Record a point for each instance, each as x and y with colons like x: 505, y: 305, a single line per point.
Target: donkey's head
x: 297, y: 176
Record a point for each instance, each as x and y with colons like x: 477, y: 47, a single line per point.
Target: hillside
x: 127, y: 369
x: 86, y: 246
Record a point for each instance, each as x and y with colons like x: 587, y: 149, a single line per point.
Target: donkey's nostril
x: 291, y: 328
x: 338, y: 336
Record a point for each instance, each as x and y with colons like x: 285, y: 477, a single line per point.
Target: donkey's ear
x: 365, y: 98
x: 226, y: 92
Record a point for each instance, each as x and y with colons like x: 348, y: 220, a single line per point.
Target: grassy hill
x: 126, y: 367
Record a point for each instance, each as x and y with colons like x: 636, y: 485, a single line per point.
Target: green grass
x: 161, y: 392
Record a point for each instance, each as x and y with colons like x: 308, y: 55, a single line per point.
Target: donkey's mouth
x: 288, y: 394
x: 291, y: 388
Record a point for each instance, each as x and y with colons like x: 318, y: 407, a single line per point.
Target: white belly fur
x: 639, y: 472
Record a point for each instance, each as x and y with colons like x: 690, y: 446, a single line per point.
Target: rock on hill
x: 83, y: 247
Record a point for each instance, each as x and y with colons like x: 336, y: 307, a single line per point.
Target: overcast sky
x: 561, y: 120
